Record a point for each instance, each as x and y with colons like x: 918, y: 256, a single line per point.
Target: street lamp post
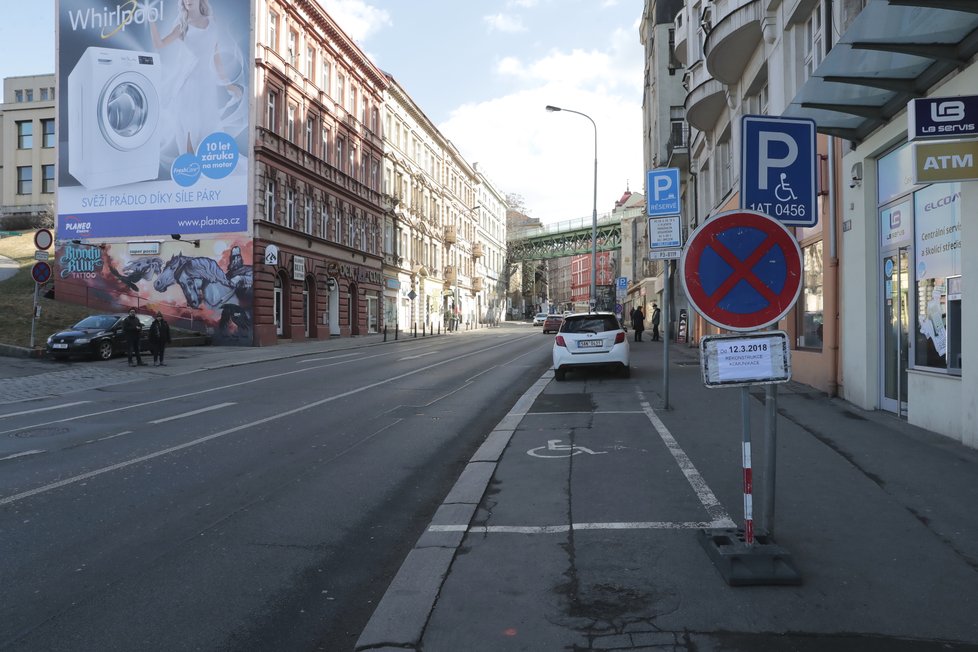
x: 594, y: 207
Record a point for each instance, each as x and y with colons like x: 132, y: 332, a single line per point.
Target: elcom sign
x: 778, y: 168
x: 943, y: 117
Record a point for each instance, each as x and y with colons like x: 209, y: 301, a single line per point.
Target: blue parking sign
x: 663, y: 192
x: 778, y: 165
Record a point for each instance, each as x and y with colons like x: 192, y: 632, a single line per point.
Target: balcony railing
x: 477, y: 251
x: 451, y: 235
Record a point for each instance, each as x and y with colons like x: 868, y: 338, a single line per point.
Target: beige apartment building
x: 28, y: 146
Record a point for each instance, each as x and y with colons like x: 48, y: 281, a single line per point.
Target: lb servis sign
x: 943, y: 117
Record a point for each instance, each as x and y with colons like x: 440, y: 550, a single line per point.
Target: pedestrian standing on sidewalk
x: 131, y: 328
x: 638, y: 323
x: 159, y: 337
x: 656, y: 316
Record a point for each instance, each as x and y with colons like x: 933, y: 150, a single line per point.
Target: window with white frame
x: 327, y: 70
x: 814, y: 41
x: 290, y: 208
x: 351, y: 103
x: 325, y: 144
x: 310, y: 63
x: 323, y: 218
x: 340, y: 152
x: 337, y: 218
x: 340, y: 88
x: 270, y: 200
x: 310, y: 125
x: 293, y: 53
x: 270, y: 113
x: 273, y: 30
x: 290, y: 125
x: 307, y: 227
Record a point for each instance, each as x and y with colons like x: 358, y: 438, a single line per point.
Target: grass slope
x: 17, y: 299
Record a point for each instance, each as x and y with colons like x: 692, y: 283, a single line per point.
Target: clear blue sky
x: 482, y: 72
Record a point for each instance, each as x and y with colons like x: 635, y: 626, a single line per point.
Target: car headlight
x: 83, y: 340
x: 51, y: 337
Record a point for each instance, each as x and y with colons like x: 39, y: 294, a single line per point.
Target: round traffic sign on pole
x: 741, y: 270
x: 41, y: 272
x: 43, y: 239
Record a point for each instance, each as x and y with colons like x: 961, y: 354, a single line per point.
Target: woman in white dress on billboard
x: 207, y: 72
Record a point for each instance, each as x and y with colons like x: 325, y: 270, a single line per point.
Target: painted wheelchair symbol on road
x: 555, y: 449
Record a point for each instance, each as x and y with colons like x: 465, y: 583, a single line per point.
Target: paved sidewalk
x: 575, y: 526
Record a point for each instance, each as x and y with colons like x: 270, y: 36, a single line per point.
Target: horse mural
x: 137, y: 270
x: 203, y: 282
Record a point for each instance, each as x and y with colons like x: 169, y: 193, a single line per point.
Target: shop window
x: 810, y: 316
x: 937, y: 254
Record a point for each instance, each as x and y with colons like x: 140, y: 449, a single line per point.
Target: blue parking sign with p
x: 778, y: 165
x: 663, y: 192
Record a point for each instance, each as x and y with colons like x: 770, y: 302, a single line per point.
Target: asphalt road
x: 258, y: 507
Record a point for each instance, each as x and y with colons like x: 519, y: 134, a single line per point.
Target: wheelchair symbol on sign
x: 783, y: 191
x: 555, y: 449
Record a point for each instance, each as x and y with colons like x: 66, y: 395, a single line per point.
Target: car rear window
x: 101, y: 322
x: 590, y: 324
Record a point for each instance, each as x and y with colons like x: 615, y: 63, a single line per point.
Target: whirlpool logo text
x: 110, y: 22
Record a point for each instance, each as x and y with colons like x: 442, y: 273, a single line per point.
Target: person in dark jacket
x: 638, y: 323
x: 159, y: 337
x: 131, y: 328
x: 656, y: 316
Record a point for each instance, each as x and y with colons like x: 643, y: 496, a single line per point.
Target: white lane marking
x: 415, y: 357
x: 118, y: 434
x: 557, y: 529
x: 23, y: 454
x: 209, y: 408
x: 250, y: 381
x: 217, y: 435
x: 53, y: 407
x: 696, y: 481
x: 332, y: 357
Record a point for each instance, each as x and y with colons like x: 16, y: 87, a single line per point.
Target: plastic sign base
x: 760, y: 564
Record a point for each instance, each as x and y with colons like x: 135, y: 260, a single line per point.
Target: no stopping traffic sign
x: 741, y: 270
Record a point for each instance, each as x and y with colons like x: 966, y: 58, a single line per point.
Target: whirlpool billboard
x: 153, y: 117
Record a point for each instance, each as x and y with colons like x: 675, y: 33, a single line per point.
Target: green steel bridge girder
x: 568, y: 243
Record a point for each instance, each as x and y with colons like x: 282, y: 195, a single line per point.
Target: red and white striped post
x: 748, y: 476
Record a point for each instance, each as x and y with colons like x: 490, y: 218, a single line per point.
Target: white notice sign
x: 757, y: 358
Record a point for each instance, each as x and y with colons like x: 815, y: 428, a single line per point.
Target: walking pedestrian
x: 132, y: 328
x: 159, y: 337
x: 638, y: 323
x: 656, y: 316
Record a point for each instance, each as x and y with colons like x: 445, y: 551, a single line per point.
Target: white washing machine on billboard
x: 114, y: 117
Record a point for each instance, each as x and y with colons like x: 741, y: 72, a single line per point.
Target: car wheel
x: 560, y: 374
x: 103, y: 350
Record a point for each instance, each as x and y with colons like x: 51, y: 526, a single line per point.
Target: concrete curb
x: 11, y: 351
x: 402, y: 615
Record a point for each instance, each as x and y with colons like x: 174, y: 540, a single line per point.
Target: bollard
x: 423, y: 326
x: 385, y: 333
x: 414, y: 329
x: 395, y: 332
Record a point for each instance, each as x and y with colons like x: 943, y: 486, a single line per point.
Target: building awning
x: 894, y: 51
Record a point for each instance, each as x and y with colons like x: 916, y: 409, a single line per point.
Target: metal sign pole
x: 665, y: 339
x: 770, y: 454
x: 37, y: 288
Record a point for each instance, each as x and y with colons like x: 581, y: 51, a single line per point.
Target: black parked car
x: 98, y: 336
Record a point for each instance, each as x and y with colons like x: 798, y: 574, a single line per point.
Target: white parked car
x: 594, y: 339
x: 539, y: 318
